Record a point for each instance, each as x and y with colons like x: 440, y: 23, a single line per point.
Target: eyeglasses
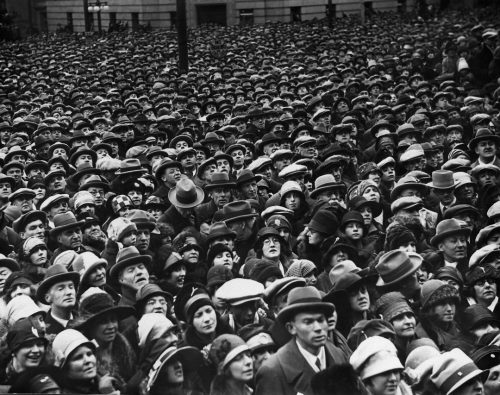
x: 488, y: 280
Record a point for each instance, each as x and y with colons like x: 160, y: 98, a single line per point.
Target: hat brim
x: 200, y: 195
x: 85, y: 275
x: 49, y: 282
x: 290, y: 311
x: 59, y: 229
x: 118, y: 266
x: 231, y: 185
x: 240, y: 217
x: 439, y: 237
x: 135, y: 171
x: 483, y: 373
x: 121, y: 312
x: 415, y: 266
x: 417, y: 185
x: 255, y: 178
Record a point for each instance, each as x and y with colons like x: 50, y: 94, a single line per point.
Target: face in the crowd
x: 454, y: 247
x: 444, y: 312
x: 38, y: 255
x: 20, y: 289
x: 224, y: 259
x: 292, y: 200
x: 310, y: 330
x: 485, y: 290
x: 271, y: 248
x: 134, y: 276
x: 143, y: 239
x: 366, y: 213
x: 57, y: 184
x: 408, y: 247
x: 359, y: 299
x: 188, y: 160
x: 156, y: 304
x: 465, y: 192
x: 249, y: 190
x: 24, y: 202
x: 445, y: 196
x: 486, y: 177
x: 486, y: 149
x: 226, y: 240
x: 223, y: 166
x: 384, y: 384
x: 59, y: 207
x: 472, y: 387
x: 354, y: 230
x: 5, y: 190
x: 484, y: 328
x: 492, y: 383
x: 104, y: 331
x: 70, y: 239
x: 241, y: 367
x: 4, y: 273
x: 62, y: 295
x: 314, y: 238
x: 29, y: 355
x: 371, y: 193
x: 136, y: 197
x: 221, y: 196
x: 35, y: 228
x: 192, y: 255
x: 81, y: 364
x: 177, y: 276
x: 15, y: 173
x: 404, y: 325
x: 174, y: 373
x: 270, y: 148
x: 244, y: 313
x: 259, y: 357
x: 242, y: 228
x: 171, y: 175
x: 205, y: 320
x: 92, y: 230
x: 388, y: 173
x: 97, y: 277
x: 98, y: 194
x: 307, y: 150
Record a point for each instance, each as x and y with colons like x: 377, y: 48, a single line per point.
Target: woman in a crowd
x: 293, y: 198
x: 271, y: 246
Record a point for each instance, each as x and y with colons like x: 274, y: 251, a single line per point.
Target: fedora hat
x: 396, y: 265
x: 357, y: 203
x: 126, y: 257
x: 95, y: 305
x: 453, y: 369
x: 165, y: 164
x: 142, y: 220
x: 130, y: 166
x: 19, y: 224
x: 219, y: 229
x: 186, y: 194
x: 237, y: 210
x: 448, y: 227
x: 64, y: 221
x: 55, y: 274
x: 247, y: 175
x: 326, y: 182
x: 219, y: 180
x: 304, y: 299
x: 442, y: 179
x: 482, y: 135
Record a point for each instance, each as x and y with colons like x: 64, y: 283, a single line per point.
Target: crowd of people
x: 309, y: 209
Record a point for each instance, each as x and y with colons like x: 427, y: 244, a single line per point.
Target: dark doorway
x: 213, y: 13
x: 296, y: 14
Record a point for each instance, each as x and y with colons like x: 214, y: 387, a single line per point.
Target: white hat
x: 66, y: 342
x: 414, y: 151
x: 479, y: 255
x: 259, y: 162
x: 21, y: 306
x: 49, y: 202
x: 240, y: 290
x: 119, y: 227
x: 374, y: 356
x: 32, y: 242
x: 494, y: 210
x: 81, y: 198
x: 86, y: 262
x: 292, y: 169
x: 150, y: 322
x: 66, y: 258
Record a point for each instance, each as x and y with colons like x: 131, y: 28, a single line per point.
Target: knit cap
x: 397, y: 236
x: 434, y: 292
x: 218, y: 275
x: 392, y: 305
x: 301, y: 268
x: 264, y: 270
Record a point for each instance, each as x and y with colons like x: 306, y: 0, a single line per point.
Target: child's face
x: 129, y: 239
x: 354, y: 230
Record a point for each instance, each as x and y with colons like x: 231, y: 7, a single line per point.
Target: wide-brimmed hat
x: 453, y: 369
x: 55, y: 274
x: 220, y: 180
x: 9, y: 263
x: 247, y: 175
x: 126, y: 257
x: 396, y: 265
x: 64, y: 221
x: 142, y: 220
x: 304, y: 299
x: 146, y: 292
x: 186, y: 194
x: 219, y: 229
x: 477, y: 315
x: 326, y: 182
x: 130, y: 166
x: 357, y: 203
x: 446, y: 228
x: 96, y: 304
x: 85, y: 263
x: 190, y: 357
x: 481, y: 135
x: 66, y: 342
x: 442, y: 179
x: 237, y: 210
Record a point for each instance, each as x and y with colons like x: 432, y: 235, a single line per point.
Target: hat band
x: 458, y: 375
x: 305, y: 300
x: 187, y: 197
x: 233, y: 354
x: 398, y: 273
x: 238, y: 214
x: 131, y: 168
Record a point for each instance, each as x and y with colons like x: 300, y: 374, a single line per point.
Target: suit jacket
x: 288, y: 373
x: 53, y: 326
x: 496, y: 163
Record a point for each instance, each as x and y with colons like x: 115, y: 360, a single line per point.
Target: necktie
x: 318, y: 363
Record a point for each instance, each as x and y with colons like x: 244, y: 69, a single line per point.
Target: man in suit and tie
x: 290, y: 370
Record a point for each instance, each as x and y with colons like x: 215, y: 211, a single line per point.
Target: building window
x: 112, y: 18
x: 334, y: 11
x: 173, y: 19
x: 135, y: 21
x: 296, y: 14
x: 246, y: 17
x: 69, y: 21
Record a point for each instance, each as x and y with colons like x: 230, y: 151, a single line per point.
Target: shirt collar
x: 311, y: 358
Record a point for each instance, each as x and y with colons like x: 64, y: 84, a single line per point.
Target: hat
x: 126, y: 257
x: 219, y: 229
x: 53, y: 200
x: 120, y: 202
x: 442, y: 179
x: 263, y: 270
x: 304, y: 299
x: 239, y: 291
x: 325, y: 182
x: 408, y: 182
x: 29, y: 193
x: 446, y: 228
x: 448, y: 272
x: 96, y: 306
x: 219, y: 180
x: 55, y: 274
x: 374, y: 356
x: 281, y: 286
x: 130, y: 166
x: 186, y: 194
x: 324, y: 221
x: 396, y: 265
x: 486, y: 357
x: 66, y: 342
x: 63, y: 222
x: 477, y: 315
x: 301, y: 268
x: 148, y: 291
x: 85, y: 263
x: 237, y: 210
x: 190, y: 357
x: 37, y: 380
x: 481, y: 135
x: 119, y: 228
x: 477, y: 273
x: 369, y: 328
x: 150, y: 321
x: 225, y: 348
x: 406, y: 203
x: 358, y: 202
x: 456, y: 209
x: 21, y: 306
x: 66, y: 259
x: 21, y: 333
x: 30, y: 243
x: 218, y: 275
x: 453, y: 369
x: 484, y: 255
x: 246, y: 175
x: 435, y: 291
x: 392, y: 305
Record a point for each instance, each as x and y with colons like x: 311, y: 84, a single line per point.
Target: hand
x: 107, y: 385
